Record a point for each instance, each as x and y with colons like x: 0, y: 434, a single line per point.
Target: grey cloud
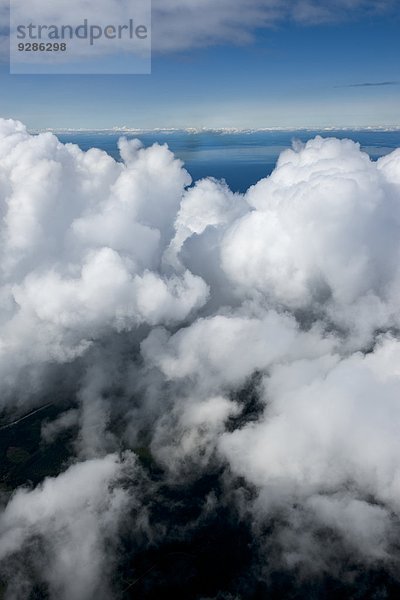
x: 372, y: 84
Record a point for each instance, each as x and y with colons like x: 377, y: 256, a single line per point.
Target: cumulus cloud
x: 332, y: 195
x: 330, y: 424
x: 71, y: 519
x: 250, y: 341
x: 82, y: 241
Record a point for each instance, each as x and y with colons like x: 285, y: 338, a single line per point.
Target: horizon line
x: 197, y: 130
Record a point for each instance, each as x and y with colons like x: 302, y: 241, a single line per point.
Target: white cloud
x: 76, y: 518
x: 179, y: 25
x: 184, y: 24
x: 323, y: 234
x: 82, y: 241
x: 330, y: 427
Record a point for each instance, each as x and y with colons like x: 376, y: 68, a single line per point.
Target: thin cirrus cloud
x: 371, y: 84
x: 180, y: 25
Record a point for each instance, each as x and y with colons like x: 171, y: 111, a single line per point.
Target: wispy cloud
x: 179, y: 25
x: 370, y: 84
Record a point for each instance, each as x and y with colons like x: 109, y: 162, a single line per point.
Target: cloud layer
x: 250, y: 338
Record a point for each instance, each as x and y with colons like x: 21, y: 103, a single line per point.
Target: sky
x: 289, y: 73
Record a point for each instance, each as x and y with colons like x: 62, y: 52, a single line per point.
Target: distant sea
x: 241, y: 158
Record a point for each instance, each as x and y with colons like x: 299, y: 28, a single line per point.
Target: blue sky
x: 291, y: 75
